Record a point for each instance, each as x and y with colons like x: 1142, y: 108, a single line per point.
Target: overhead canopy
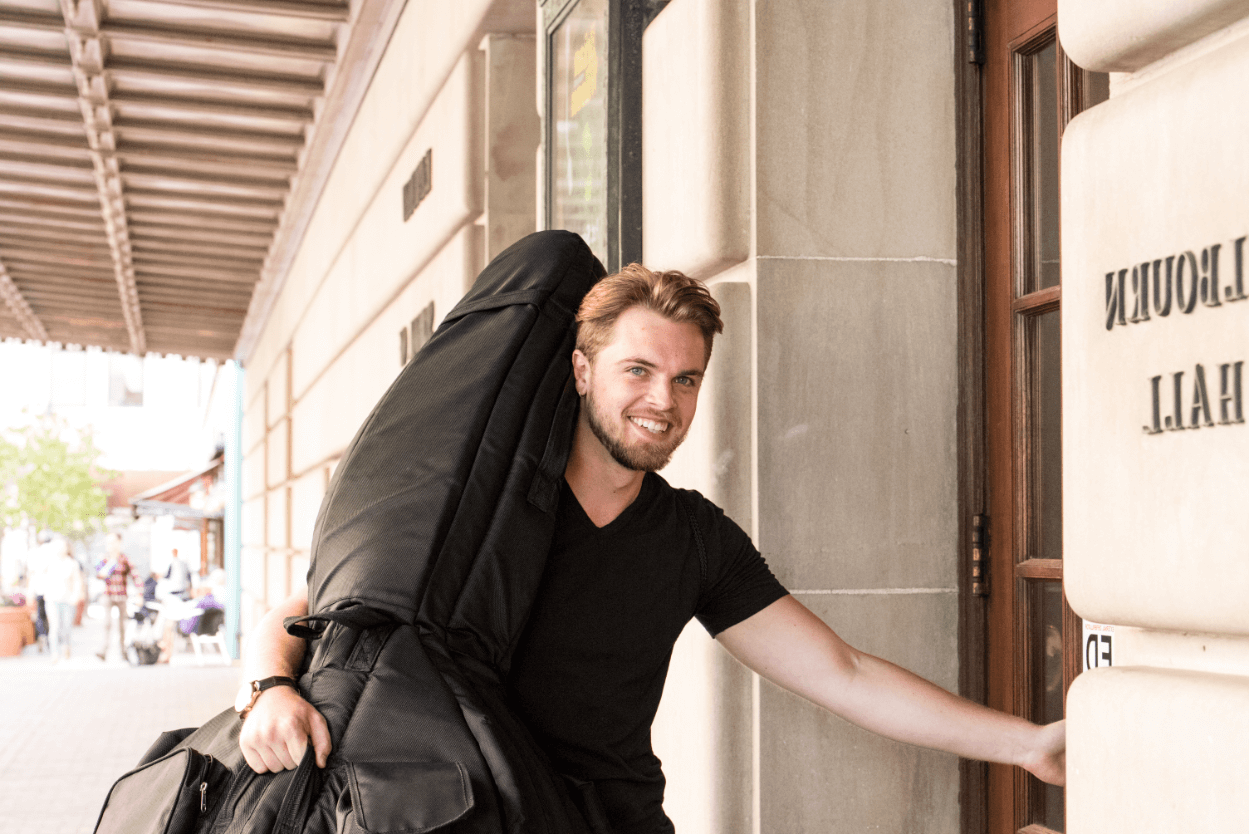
x: 187, y: 496
x: 159, y: 160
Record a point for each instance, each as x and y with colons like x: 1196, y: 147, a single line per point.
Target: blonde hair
x: 671, y: 294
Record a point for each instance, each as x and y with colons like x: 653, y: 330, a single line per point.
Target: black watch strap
x: 261, y: 685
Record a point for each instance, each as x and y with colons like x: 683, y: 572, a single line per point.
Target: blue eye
x: 637, y: 371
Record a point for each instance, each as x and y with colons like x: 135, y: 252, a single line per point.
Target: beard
x: 638, y: 457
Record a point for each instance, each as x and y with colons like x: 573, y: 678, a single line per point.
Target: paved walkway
x: 68, y: 730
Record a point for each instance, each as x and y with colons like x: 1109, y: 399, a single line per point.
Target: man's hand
x: 276, y: 731
x: 1048, y: 759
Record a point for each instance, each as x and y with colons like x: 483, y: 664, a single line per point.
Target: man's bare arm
x: 277, y: 729
x: 793, y: 648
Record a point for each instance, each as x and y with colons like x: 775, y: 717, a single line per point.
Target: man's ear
x: 581, y: 371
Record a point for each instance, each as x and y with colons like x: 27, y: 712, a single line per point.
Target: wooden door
x: 1030, y: 91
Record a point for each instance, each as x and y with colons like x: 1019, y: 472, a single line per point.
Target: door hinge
x: 975, y: 28
x: 979, y: 564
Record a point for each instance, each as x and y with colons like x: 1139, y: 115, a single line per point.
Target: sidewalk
x: 68, y: 730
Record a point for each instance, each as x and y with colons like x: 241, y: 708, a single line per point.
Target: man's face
x: 641, y: 390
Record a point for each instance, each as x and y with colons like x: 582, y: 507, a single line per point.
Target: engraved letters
x: 1185, y: 277
x: 1190, y: 397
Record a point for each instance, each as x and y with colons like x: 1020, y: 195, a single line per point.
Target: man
x: 117, y: 573
x: 179, y: 576
x: 624, y: 575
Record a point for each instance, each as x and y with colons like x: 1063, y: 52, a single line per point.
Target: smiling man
x: 632, y: 561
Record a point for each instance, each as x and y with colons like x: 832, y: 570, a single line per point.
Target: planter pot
x: 16, y: 630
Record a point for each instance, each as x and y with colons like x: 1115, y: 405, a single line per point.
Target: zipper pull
x: 203, y: 797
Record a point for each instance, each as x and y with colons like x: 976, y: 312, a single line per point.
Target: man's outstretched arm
x: 793, y: 648
x: 277, y: 729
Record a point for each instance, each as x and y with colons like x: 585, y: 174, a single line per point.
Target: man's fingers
x: 254, y: 761
x: 293, y: 750
x: 320, y: 734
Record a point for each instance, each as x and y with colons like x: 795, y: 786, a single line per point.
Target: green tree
x: 49, y: 477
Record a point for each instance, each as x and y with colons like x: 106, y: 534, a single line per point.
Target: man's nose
x: 659, y: 394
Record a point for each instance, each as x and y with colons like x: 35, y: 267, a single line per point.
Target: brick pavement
x: 68, y: 730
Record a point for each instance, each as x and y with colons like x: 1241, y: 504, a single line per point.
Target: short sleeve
x: 739, y: 582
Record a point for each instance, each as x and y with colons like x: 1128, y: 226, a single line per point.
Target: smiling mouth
x: 652, y: 426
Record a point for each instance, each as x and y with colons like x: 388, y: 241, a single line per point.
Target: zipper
x: 203, y: 786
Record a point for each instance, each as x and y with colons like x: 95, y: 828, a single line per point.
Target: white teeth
x: 650, y: 425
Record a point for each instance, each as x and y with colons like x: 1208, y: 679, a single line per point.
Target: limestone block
x: 386, y: 250
x: 1155, y: 197
x: 695, y: 137
x: 1154, y: 751
x: 819, y: 773
x: 254, y: 421
x: 512, y: 135
x: 327, y: 415
x: 277, y: 581
x: 278, y: 452
x: 1216, y: 653
x: 275, y: 518
x: 854, y: 128
x: 856, y: 425
x: 306, y: 495
x: 1126, y: 35
x: 254, y: 472
x: 277, y: 389
x: 253, y: 526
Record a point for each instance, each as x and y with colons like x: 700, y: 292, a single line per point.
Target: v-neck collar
x: 583, y: 518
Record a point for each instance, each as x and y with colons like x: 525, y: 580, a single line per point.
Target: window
x: 594, y: 122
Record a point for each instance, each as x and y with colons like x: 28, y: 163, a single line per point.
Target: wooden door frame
x: 972, y: 495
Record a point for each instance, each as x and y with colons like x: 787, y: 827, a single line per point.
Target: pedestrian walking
x: 179, y: 576
x: 64, y: 587
x: 117, y: 573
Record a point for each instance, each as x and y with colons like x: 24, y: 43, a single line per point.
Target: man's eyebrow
x: 646, y: 363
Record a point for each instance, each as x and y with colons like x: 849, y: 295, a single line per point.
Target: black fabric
x: 590, y: 667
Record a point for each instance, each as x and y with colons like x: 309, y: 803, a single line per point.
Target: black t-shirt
x: 590, y: 666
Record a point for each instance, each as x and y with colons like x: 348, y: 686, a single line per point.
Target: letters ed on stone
x: 1154, y: 289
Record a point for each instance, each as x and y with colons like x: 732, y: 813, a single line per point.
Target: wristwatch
x: 263, y: 684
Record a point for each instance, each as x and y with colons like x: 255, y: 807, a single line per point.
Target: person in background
x: 63, y: 588
x: 179, y: 576
x: 117, y: 573
x: 209, y: 595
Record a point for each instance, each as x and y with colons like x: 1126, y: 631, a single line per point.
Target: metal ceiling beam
x: 47, y: 89
x: 225, y: 277
x: 157, y: 260
x: 87, y: 50
x: 33, y: 55
x: 31, y: 19
x: 226, y: 204
x: 45, y: 139
x: 51, y: 208
x: 166, y: 236
x: 19, y: 308
x: 46, y: 114
x: 28, y: 159
x: 28, y: 234
x: 19, y: 222
x: 276, y: 166
x: 198, y: 246
x: 179, y: 132
x: 204, y: 222
x: 221, y: 39
x: 32, y: 270
x: 299, y: 85
x: 175, y: 179
x: 214, y: 107
x: 334, y: 12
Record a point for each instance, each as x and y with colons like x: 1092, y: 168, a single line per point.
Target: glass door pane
x: 578, y: 156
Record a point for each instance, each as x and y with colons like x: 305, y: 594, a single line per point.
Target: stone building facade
x: 919, y: 430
